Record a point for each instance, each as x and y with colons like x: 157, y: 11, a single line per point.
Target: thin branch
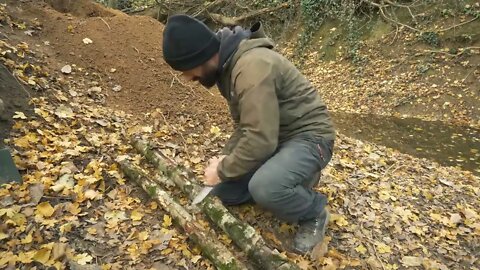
x: 382, y: 12
x: 106, y: 23
x: 231, y: 21
x: 403, y: 6
x: 207, y: 7
x: 463, y: 50
x: 457, y: 25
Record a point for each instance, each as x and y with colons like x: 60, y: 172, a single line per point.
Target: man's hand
x: 210, y: 175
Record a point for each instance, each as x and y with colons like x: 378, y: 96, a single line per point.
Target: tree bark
x: 244, y: 235
x: 218, y: 254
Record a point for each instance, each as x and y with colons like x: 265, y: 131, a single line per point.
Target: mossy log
x: 211, y: 248
x: 243, y: 235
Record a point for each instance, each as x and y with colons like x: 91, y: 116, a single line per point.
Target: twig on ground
x: 463, y: 50
x: 376, y: 254
x: 457, y: 25
x: 109, y: 28
x: 471, y: 71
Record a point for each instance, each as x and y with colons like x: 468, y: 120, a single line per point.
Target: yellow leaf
x: 361, y: 249
x: 167, y: 221
x: 196, y: 160
x: 28, y: 239
x: 65, y: 228
x: 166, y: 251
x: 83, y: 258
x: 215, y: 130
x: 74, y: 209
x: 340, y: 220
x: 26, y: 257
x: 136, y: 215
x: 106, y: 267
x: 142, y: 236
x: 19, y: 115
x: 92, y: 230
x: 134, y: 251
x: 153, y: 205
x: 3, y: 236
x: 19, y: 219
x: 44, y: 209
x: 42, y: 256
x: 6, y: 257
x: 9, y: 212
x: 195, y: 258
x: 304, y: 264
x: 92, y: 195
x: 382, y: 248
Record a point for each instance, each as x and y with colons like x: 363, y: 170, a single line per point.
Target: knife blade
x: 202, y: 194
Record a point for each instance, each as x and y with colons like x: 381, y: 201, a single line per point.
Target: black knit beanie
x: 188, y: 43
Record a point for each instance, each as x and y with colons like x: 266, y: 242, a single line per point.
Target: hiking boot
x: 311, y: 232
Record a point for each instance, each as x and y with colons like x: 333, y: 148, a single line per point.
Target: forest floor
x: 93, y: 77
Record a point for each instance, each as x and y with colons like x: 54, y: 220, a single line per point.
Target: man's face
x: 205, y: 74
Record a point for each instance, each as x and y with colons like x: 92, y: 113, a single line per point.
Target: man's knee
x: 264, y: 191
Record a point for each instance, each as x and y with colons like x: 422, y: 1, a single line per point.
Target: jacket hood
x: 234, y: 43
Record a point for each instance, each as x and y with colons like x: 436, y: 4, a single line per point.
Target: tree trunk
x: 241, y: 233
x: 218, y: 254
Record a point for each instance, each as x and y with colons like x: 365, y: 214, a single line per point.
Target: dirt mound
x: 81, y: 8
x: 126, y: 51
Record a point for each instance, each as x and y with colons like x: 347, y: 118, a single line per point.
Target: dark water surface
x: 447, y: 144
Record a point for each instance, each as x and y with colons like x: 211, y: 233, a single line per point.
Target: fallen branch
x: 241, y: 233
x: 231, y: 21
x: 457, y: 25
x: 218, y: 254
x: 460, y: 51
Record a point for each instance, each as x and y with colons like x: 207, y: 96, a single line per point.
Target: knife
x: 202, y: 194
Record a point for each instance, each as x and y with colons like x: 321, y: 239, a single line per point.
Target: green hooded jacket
x: 270, y: 102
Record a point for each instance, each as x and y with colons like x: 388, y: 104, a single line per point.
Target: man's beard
x: 209, y: 78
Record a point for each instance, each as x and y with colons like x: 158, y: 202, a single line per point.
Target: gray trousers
x: 283, y: 184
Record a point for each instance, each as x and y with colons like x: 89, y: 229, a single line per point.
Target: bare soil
x: 128, y: 49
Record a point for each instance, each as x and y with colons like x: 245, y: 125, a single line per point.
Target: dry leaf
x: 412, y: 261
x: 44, y: 209
x: 42, y: 256
x: 83, y: 258
x: 167, y: 221
x: 19, y: 115
x: 64, y: 112
x: 67, y: 69
x: 136, y: 215
x: 87, y: 41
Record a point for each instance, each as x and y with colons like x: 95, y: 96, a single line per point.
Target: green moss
x: 152, y: 191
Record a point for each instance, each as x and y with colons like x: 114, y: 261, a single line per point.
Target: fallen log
x: 218, y: 254
x: 243, y: 235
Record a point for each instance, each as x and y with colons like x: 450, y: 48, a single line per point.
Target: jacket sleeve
x: 259, y: 118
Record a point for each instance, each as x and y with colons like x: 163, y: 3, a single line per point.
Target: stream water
x: 447, y: 144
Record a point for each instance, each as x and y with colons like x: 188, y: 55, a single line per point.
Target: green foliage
x: 431, y: 38
x: 314, y: 13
